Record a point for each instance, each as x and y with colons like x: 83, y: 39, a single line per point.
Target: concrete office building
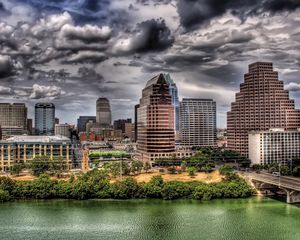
x: 198, y: 125
x: 261, y: 104
x: 155, y: 121
x: 83, y: 120
x: 103, y: 112
x: 13, y: 116
x: 44, y: 119
x: 63, y: 130
x: 274, y: 146
x: 23, y: 149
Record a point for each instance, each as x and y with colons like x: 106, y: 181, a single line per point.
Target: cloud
x: 6, y: 66
x: 197, y: 12
x: 41, y: 91
x: 293, y: 87
x: 5, y: 90
x: 86, y: 57
x: 150, y: 35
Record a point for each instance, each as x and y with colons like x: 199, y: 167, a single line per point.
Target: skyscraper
x: 82, y: 121
x: 175, y: 100
x: 198, y: 122
x: 13, y: 115
x: 261, y: 104
x: 155, y: 121
x: 44, y: 119
x: 120, y: 124
x: 103, y: 112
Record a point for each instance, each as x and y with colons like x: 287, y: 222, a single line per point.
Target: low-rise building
x: 23, y: 149
x: 273, y: 146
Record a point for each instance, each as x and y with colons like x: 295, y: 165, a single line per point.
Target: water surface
x: 245, y: 219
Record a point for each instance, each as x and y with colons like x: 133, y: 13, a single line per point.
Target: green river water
x: 245, y: 219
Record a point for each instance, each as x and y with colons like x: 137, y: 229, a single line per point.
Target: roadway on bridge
x: 282, y: 181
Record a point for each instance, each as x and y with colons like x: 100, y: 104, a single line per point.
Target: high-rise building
x: 13, y: 116
x: 29, y: 126
x: 120, y: 124
x: 274, y: 146
x: 175, y: 100
x: 56, y: 121
x: 261, y: 104
x: 198, y: 122
x: 44, y: 119
x: 155, y: 120
x: 63, y: 130
x: 103, y: 112
x: 136, y: 107
x: 83, y: 120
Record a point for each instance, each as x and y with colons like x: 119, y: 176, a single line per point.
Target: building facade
x: 82, y: 121
x: 155, y: 121
x: 120, y: 124
x: 175, y: 100
x: 44, y: 119
x: 23, y: 149
x: 103, y: 112
x: 274, y: 146
x: 261, y: 104
x: 198, y: 124
x: 63, y: 130
x: 13, y: 116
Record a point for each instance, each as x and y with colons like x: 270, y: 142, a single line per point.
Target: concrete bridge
x: 269, y: 183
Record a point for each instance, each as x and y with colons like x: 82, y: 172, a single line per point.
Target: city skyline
x: 72, y: 52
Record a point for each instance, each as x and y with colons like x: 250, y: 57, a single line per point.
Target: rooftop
x: 36, y: 139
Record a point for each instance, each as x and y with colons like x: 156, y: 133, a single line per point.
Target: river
x: 243, y: 219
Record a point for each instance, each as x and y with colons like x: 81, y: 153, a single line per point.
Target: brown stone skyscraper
x: 155, y: 121
x: 261, y: 104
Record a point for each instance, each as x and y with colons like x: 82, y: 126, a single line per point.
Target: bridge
x: 274, y: 184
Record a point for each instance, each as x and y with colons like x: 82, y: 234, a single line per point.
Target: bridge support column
x: 292, y: 196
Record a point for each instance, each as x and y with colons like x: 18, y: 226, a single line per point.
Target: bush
x: 126, y: 189
x: 4, y: 196
x: 192, y: 171
x: 153, y: 189
x: 172, y: 170
x: 226, y: 169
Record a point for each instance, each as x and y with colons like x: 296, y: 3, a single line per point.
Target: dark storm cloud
x: 151, y: 35
x: 197, y: 12
x: 6, y: 66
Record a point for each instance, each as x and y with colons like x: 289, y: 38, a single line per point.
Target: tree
x: 147, y: 166
x: 284, y: 170
x: 4, y: 196
x: 40, y: 165
x: 57, y: 167
x: 226, y: 169
x: 183, y: 166
x: 136, y: 166
x: 192, y: 171
x: 296, y: 171
x: 17, y: 168
x: 172, y: 170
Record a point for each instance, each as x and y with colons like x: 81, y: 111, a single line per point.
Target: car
x: 276, y: 174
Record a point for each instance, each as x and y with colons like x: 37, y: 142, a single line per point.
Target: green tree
x: 17, y: 168
x: 296, y: 171
x: 136, y: 166
x: 4, y: 196
x: 40, y: 165
x: 172, y: 170
x: 192, y: 171
x: 284, y: 170
x: 226, y: 169
x: 58, y: 166
x: 183, y: 166
x: 147, y: 166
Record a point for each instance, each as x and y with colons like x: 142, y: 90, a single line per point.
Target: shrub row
x: 95, y: 184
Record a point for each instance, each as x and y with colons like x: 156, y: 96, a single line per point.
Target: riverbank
x: 96, y: 185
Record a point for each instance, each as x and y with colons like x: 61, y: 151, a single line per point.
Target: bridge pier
x: 292, y: 196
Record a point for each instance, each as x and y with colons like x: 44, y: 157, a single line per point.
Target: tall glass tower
x: 103, y: 112
x: 175, y: 100
x: 44, y: 119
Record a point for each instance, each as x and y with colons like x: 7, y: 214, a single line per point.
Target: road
x: 282, y: 181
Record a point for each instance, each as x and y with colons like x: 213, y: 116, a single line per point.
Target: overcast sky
x: 70, y: 52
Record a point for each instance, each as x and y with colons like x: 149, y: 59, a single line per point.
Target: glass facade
x: 44, y: 119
